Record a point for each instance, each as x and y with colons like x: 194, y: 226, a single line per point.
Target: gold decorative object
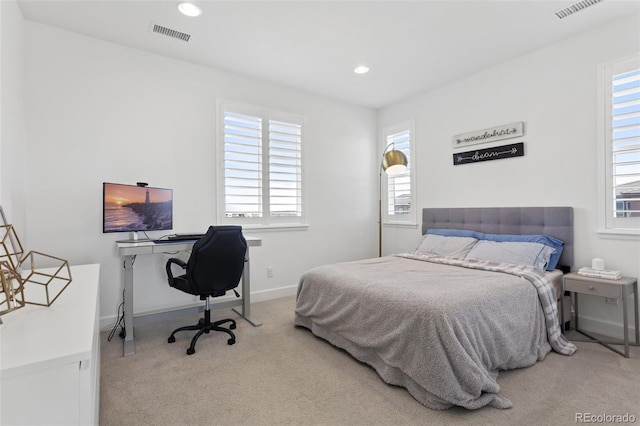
x: 12, y: 249
x: 12, y: 295
x: 42, y: 283
x: 47, y: 276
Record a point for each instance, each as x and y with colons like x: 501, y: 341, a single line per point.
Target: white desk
x: 130, y: 250
x: 50, y: 369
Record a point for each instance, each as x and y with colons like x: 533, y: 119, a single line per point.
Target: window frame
x: 607, y: 224
x: 266, y: 221
x: 408, y: 220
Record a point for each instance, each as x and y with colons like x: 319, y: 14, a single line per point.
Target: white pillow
x: 446, y: 245
x: 515, y: 253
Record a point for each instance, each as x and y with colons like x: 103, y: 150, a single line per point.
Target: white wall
x: 98, y: 112
x: 553, y: 90
x: 12, y: 115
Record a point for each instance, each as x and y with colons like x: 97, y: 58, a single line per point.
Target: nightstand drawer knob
x: 590, y: 287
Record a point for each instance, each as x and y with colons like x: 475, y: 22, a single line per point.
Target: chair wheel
x: 232, y: 326
x: 171, y: 339
x: 231, y: 341
x: 191, y: 351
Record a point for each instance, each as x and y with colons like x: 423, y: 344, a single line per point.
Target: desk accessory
x: 606, y: 274
x: 35, y: 278
x: 597, y: 264
x: 12, y: 296
x: 45, y: 277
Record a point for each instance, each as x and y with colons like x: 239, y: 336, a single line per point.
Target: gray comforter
x: 440, y: 327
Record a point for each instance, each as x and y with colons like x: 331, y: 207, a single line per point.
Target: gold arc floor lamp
x: 393, y: 162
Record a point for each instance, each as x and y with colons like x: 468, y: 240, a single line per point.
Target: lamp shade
x: 394, y: 162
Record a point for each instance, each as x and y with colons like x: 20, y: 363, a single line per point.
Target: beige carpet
x: 278, y: 374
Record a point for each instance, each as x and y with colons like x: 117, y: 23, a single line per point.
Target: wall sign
x: 507, y: 131
x: 495, y: 153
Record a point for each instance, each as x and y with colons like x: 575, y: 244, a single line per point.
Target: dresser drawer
x: 597, y: 288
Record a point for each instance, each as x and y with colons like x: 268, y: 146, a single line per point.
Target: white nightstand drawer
x: 598, y: 288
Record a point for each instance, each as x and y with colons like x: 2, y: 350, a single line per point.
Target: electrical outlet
x: 611, y: 300
x: 269, y: 271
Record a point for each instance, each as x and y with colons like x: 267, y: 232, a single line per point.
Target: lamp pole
x: 380, y: 213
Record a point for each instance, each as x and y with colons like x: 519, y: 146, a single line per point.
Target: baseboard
x: 275, y: 293
x: 107, y: 323
x: 606, y: 328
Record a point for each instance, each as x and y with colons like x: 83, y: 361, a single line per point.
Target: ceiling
x: 410, y: 46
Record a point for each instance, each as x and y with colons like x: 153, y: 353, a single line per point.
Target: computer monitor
x: 133, y: 208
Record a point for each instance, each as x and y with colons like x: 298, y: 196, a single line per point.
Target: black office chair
x: 214, y: 267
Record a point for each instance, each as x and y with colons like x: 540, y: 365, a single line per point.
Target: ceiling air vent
x: 574, y: 8
x: 170, y: 32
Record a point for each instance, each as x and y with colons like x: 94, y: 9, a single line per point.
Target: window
x: 620, y: 96
x: 262, y: 167
x: 398, y: 193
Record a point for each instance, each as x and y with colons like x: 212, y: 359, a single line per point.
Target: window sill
x: 276, y: 227
x: 619, y: 233
x: 400, y: 225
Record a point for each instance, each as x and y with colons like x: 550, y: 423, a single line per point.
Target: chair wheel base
x: 205, y: 326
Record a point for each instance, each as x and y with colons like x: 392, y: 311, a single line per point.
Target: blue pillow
x: 547, y: 240
x: 514, y: 252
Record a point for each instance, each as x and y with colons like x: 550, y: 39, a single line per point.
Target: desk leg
x: 575, y: 308
x: 562, y: 326
x: 637, y: 314
x: 625, y: 321
x: 246, y: 293
x: 129, y: 343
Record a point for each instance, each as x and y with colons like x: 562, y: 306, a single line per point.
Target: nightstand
x: 619, y: 289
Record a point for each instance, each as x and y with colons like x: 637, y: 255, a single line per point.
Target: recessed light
x: 189, y: 9
x: 361, y: 69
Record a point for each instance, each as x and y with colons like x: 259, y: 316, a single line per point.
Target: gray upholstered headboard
x: 554, y: 221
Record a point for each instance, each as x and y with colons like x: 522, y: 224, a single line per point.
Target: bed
x: 444, y: 325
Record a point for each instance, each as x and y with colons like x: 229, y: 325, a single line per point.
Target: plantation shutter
x: 399, y: 185
x: 242, y: 165
x: 262, y: 173
x: 624, y: 134
x: 285, y: 169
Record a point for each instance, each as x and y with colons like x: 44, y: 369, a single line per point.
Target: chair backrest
x: 217, y: 260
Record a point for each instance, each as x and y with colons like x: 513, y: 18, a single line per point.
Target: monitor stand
x: 141, y: 240
x: 135, y: 238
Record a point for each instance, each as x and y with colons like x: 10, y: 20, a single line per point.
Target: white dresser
x: 50, y: 357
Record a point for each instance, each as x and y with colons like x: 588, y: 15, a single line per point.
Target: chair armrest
x: 178, y: 262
